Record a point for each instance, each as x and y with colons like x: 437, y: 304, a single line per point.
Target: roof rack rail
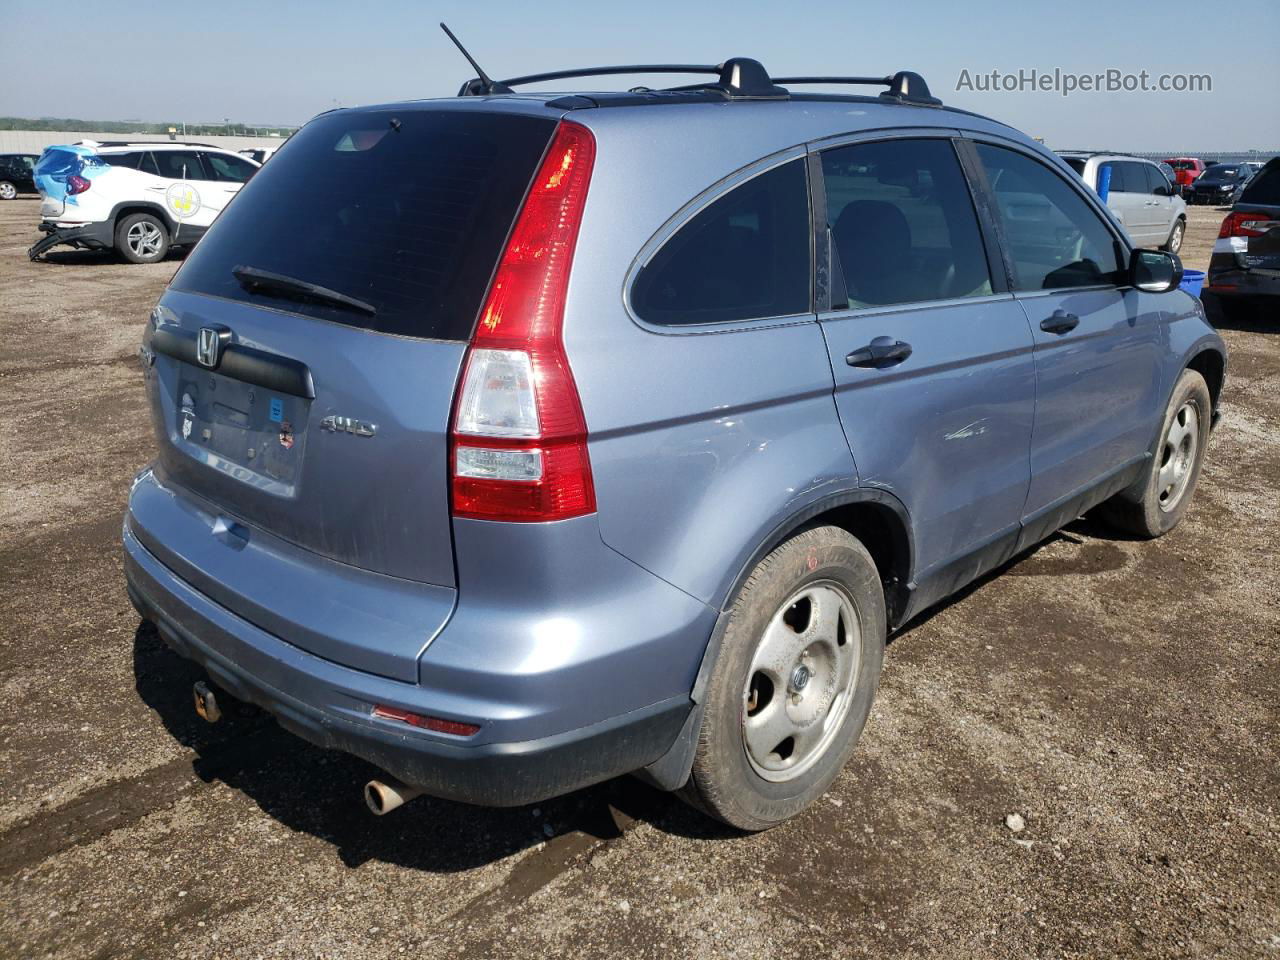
x: 904, y: 86
x: 740, y: 78
x: 176, y: 143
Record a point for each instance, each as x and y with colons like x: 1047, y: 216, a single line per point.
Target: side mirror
x: 1154, y: 271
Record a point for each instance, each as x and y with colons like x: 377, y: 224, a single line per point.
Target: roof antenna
x: 486, y: 85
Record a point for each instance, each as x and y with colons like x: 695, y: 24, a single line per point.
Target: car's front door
x: 1096, y: 356
x: 230, y: 172
x: 932, y: 356
x: 188, y: 191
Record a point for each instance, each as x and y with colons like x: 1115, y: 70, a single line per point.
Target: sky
x: 283, y: 61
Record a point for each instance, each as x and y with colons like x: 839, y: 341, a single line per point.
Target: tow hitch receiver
x: 206, y: 702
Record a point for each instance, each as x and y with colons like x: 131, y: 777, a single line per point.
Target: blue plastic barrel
x: 1192, y: 281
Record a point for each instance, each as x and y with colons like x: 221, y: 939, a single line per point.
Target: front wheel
x: 794, y: 681
x: 7, y: 190
x: 142, y: 238
x: 1156, y: 504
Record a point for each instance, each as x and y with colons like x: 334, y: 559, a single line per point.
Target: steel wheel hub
x: 801, y: 681
x: 1178, y: 456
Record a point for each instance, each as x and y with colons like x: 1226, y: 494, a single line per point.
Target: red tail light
x: 1241, y: 224
x: 77, y: 184
x: 519, y: 436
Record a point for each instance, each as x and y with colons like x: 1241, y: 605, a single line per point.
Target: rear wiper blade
x: 251, y: 278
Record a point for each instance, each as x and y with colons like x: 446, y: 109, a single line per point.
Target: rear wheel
x: 7, y: 190
x: 1155, y: 505
x: 1174, y: 243
x: 794, y: 682
x: 142, y: 238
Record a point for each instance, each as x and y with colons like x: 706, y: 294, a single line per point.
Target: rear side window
x: 1264, y: 188
x: 127, y: 160
x: 406, y: 211
x: 746, y: 256
x: 903, y: 228
x: 180, y: 165
x: 1053, y: 237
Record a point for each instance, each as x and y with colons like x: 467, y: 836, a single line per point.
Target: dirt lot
x: 1123, y: 697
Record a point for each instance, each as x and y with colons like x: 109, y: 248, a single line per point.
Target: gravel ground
x: 1120, y: 697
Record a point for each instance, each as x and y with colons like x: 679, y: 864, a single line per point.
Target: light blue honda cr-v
x: 517, y: 441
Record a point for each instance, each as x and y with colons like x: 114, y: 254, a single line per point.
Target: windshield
x: 1221, y: 172
x: 402, y: 212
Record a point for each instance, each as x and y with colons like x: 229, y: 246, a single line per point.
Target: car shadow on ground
x: 1246, y: 316
x: 70, y: 257
x: 1088, y: 526
x: 320, y: 792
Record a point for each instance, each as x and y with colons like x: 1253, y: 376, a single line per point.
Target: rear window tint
x: 744, y: 257
x: 1264, y: 188
x: 409, y: 217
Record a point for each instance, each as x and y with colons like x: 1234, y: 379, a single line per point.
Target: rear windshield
x: 1264, y: 188
x: 406, y: 212
x: 1182, y: 164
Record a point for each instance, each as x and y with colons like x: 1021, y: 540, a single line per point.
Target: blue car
x: 514, y: 442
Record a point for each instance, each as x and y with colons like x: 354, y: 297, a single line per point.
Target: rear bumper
x: 92, y: 236
x: 1233, y: 281
x: 329, y: 705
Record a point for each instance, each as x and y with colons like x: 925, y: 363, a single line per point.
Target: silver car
x: 1139, y: 193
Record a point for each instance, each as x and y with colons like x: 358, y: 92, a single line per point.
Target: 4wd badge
x: 361, y: 428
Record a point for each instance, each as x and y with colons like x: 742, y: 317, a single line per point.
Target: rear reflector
x: 437, y: 724
x: 519, y: 435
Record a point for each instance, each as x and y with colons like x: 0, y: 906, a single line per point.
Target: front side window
x: 746, y: 256
x: 903, y: 228
x: 1054, y: 238
x: 228, y: 168
x: 1156, y: 182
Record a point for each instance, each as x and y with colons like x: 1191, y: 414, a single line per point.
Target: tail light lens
x: 1241, y: 224
x: 77, y: 184
x: 519, y: 436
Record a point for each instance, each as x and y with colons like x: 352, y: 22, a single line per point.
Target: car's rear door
x: 321, y: 418
x: 935, y: 382
x: 1096, y: 356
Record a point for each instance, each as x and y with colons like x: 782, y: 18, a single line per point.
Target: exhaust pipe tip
x: 382, y: 797
x: 206, y: 702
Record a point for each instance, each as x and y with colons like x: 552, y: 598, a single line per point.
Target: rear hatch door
x: 305, y: 356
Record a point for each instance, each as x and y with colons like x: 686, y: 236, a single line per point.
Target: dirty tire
x: 725, y: 782
x: 142, y: 238
x: 1176, y: 235
x: 1139, y: 510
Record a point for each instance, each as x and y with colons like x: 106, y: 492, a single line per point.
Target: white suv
x: 1139, y: 193
x: 138, y: 198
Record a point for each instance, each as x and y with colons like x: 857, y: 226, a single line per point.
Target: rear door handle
x: 880, y: 352
x: 1060, y: 322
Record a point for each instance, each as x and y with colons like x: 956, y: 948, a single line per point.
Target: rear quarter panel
x: 701, y: 443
